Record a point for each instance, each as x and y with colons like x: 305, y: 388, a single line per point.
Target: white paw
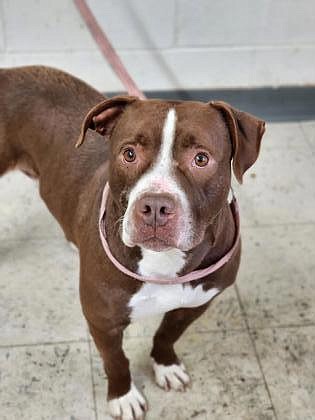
x: 171, y: 377
x: 131, y: 406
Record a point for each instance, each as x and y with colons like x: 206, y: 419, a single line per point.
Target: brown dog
x: 168, y: 164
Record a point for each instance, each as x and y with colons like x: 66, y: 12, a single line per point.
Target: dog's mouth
x: 156, y: 244
x: 155, y: 238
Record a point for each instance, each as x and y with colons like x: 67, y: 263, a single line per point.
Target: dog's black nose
x: 156, y: 209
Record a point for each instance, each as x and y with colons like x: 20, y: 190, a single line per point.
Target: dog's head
x: 171, y: 164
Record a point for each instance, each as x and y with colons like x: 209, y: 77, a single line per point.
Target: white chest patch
x: 161, y: 264
x: 154, y: 299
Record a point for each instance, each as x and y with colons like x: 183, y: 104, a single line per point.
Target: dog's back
x: 39, y: 98
x: 41, y: 111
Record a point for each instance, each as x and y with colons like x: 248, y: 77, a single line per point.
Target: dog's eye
x: 201, y: 159
x: 129, y: 155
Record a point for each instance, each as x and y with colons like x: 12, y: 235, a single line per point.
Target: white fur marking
x: 171, y: 377
x: 164, y: 263
x: 160, y: 179
x: 153, y: 299
x: 123, y: 407
x: 164, y: 164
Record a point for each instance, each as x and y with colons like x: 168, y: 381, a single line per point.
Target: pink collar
x: 194, y: 275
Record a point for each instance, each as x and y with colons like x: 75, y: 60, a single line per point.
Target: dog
x: 144, y: 197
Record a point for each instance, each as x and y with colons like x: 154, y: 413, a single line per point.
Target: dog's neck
x: 215, y: 244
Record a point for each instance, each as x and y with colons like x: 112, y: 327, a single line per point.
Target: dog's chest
x: 154, y: 299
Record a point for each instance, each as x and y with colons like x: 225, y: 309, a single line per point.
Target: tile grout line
x: 92, y: 380
x: 175, y: 24
x: 135, y: 337
x: 305, y: 136
x: 57, y: 238
x: 211, y: 331
x: 276, y: 224
x: 232, y: 330
x: 3, y: 21
x: 44, y: 343
x: 255, y: 350
x: 279, y: 327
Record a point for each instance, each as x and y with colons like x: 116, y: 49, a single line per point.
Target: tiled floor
x: 251, y: 356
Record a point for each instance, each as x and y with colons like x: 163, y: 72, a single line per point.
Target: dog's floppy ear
x: 246, y: 132
x: 102, y: 117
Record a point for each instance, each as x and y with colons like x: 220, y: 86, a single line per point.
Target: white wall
x: 168, y: 44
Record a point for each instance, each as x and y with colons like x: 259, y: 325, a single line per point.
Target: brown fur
x: 41, y: 114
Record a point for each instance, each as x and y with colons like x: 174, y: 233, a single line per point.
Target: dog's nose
x: 156, y: 209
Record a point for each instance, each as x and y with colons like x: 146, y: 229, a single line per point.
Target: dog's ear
x: 246, y: 132
x: 103, y: 116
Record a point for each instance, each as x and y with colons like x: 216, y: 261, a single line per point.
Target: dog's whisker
x: 119, y: 221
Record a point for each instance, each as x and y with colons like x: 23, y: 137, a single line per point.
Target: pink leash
x: 107, y: 49
x: 132, y: 89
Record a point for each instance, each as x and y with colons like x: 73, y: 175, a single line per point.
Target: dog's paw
x: 171, y: 377
x: 131, y: 406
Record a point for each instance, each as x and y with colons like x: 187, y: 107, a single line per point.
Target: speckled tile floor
x: 251, y: 356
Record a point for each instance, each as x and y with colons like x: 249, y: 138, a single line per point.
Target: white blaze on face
x: 164, y: 164
x: 161, y: 179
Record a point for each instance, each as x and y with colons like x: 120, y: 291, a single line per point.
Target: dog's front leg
x: 169, y: 372
x: 124, y: 400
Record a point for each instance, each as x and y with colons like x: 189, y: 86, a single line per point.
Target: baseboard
x: 272, y: 104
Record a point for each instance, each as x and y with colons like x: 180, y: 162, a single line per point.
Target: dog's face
x: 170, y: 166
x: 171, y: 172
